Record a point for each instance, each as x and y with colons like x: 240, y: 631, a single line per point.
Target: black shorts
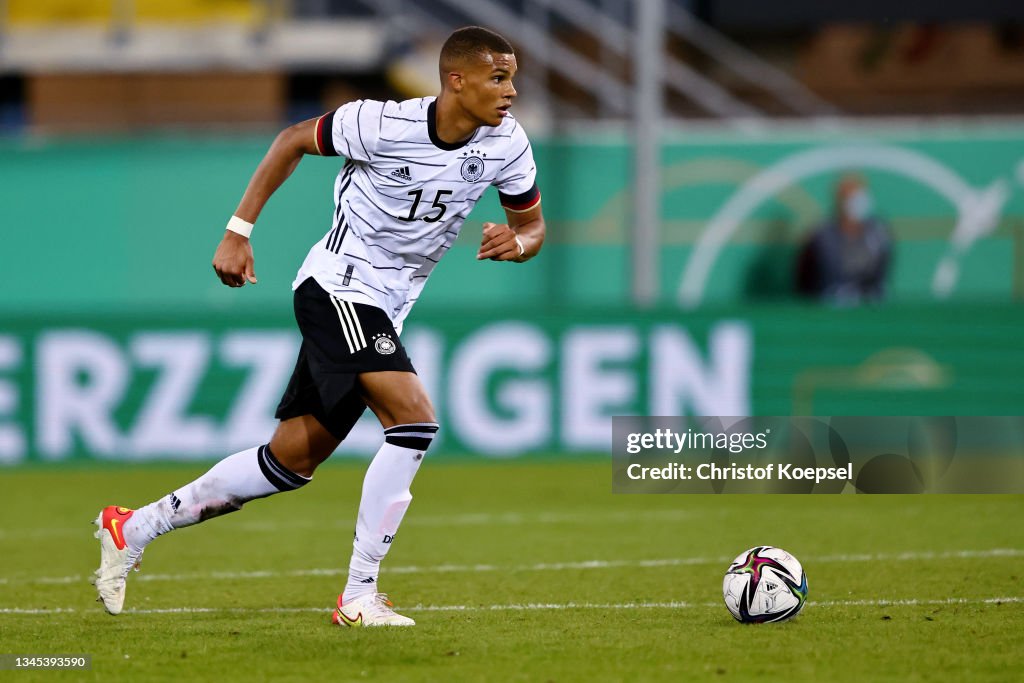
x: 340, y: 340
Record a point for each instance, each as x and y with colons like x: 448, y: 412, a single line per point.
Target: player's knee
x: 423, y: 413
x: 301, y: 444
x: 423, y: 417
x: 412, y: 409
x: 303, y: 466
x: 295, y: 460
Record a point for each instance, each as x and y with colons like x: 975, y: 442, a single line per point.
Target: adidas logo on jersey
x: 402, y: 173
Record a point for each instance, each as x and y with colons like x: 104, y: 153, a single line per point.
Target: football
x: 764, y: 584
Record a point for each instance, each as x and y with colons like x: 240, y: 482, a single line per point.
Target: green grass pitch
x: 527, y: 571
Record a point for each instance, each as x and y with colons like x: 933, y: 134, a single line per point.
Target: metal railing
x: 617, y: 37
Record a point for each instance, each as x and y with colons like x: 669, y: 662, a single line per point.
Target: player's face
x: 487, y: 91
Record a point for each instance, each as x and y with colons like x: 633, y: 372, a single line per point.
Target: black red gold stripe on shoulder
x: 323, y: 136
x: 520, y: 202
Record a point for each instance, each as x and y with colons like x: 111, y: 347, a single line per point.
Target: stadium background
x: 131, y: 129
x: 679, y: 183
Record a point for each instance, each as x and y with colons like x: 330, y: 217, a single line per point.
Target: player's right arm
x: 233, y: 260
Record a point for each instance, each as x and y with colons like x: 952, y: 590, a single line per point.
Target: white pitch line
x: 553, y: 606
x: 468, y: 519
x: 541, y: 567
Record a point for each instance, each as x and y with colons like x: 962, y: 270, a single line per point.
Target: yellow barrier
x: 27, y: 12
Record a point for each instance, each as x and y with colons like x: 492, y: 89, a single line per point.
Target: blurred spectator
x: 845, y: 260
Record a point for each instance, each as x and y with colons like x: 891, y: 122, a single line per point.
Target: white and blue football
x: 765, y: 584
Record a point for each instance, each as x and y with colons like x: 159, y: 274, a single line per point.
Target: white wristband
x: 243, y: 228
x: 522, y: 249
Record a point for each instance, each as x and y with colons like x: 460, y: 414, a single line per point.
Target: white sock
x: 385, y: 499
x: 235, y: 480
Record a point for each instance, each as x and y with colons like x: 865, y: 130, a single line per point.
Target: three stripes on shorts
x: 350, y: 326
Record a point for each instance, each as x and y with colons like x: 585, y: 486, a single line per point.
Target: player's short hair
x: 469, y: 42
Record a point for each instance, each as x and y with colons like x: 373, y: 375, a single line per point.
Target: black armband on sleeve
x: 324, y: 135
x: 520, y: 202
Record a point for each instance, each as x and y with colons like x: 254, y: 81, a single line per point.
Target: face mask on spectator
x: 857, y: 205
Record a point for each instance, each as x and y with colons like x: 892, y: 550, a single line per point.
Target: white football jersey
x: 402, y: 196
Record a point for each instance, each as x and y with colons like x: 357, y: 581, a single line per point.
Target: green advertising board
x: 201, y: 386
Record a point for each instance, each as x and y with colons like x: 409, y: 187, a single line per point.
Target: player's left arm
x: 518, y: 240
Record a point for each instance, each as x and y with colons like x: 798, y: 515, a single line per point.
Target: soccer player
x: 413, y: 172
